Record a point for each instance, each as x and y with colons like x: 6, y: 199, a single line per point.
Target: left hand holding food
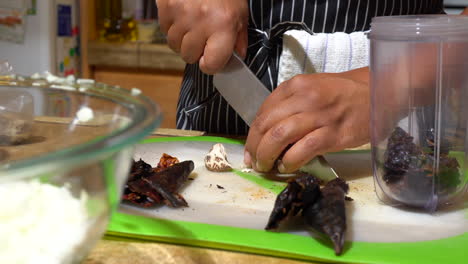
x: 317, y: 113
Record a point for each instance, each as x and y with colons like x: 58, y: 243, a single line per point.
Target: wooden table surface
x: 116, y: 252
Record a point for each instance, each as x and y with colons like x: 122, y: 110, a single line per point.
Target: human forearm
x: 465, y: 12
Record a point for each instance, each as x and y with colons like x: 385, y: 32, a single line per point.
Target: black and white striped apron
x: 201, y: 107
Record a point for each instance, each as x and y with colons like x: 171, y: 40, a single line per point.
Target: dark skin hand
x: 205, y: 31
x: 318, y: 113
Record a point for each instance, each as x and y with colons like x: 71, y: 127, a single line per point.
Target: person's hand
x: 205, y: 31
x: 317, y: 113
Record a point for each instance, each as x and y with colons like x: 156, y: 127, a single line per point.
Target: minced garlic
x: 40, y: 223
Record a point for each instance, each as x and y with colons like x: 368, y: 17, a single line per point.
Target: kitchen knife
x: 246, y: 93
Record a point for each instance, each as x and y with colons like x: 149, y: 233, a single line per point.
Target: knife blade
x: 245, y: 93
x: 241, y: 88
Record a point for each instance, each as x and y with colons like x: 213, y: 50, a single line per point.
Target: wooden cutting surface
x: 116, y: 252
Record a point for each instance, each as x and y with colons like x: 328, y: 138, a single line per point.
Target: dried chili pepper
x: 322, y: 209
x: 149, y: 186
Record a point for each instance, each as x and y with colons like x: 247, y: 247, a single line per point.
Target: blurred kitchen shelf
x: 134, y: 55
x: 153, y: 68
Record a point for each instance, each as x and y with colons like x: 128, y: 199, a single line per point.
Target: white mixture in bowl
x: 40, y: 223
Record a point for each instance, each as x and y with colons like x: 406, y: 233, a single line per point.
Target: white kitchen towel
x: 305, y: 53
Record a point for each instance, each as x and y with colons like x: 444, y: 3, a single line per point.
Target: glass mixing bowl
x: 65, y: 151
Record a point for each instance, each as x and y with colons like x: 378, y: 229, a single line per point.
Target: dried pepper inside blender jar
x: 409, y: 169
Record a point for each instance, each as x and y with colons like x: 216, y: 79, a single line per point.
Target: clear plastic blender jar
x: 419, y: 109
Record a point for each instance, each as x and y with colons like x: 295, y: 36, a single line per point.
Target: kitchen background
x: 112, y: 41
x: 46, y: 37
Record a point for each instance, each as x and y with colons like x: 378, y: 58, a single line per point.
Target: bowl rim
x: 146, y: 115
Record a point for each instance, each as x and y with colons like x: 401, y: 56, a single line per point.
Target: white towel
x: 322, y: 52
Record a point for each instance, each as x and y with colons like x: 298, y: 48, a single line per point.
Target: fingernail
x: 243, y: 53
x: 259, y: 167
x: 281, y: 167
x: 247, y: 158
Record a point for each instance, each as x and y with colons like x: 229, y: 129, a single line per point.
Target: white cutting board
x: 242, y: 203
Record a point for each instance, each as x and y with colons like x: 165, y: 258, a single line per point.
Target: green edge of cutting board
x: 139, y: 228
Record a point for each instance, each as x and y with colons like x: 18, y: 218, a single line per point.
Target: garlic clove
x: 216, y: 159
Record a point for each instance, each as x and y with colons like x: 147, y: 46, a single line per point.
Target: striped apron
x: 201, y: 107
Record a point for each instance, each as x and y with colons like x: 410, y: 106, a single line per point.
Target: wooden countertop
x: 116, y: 252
